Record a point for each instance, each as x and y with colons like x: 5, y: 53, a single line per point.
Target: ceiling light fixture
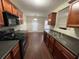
x: 35, y: 19
x: 40, y: 2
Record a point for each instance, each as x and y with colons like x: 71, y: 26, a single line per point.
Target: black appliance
x: 11, y: 35
x: 9, y: 19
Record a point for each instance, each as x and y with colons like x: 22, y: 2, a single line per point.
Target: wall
x: 73, y: 32
x: 35, y: 26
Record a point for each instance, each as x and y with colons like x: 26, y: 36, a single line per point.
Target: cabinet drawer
x: 15, y: 49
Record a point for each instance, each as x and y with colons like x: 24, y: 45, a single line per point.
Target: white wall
x: 35, y: 27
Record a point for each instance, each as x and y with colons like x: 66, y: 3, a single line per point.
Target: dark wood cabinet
x: 52, y: 19
x: 70, y: 1
x: 7, y: 6
x: 8, y: 56
x: 57, y: 50
x: 73, y: 17
x: 1, y: 19
x: 49, y: 42
x: 61, y: 52
x: 16, y: 52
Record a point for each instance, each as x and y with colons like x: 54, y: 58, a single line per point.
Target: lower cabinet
x: 16, y: 52
x: 8, y: 56
x: 51, y: 44
x: 61, y: 52
x: 57, y: 50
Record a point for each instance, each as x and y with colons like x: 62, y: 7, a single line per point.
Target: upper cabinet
x: 1, y: 19
x: 14, y: 10
x: 10, y: 8
x: 52, y: 19
x: 7, y: 6
x: 1, y: 6
x: 73, y: 17
x: 1, y: 15
x: 70, y: 1
x: 20, y: 15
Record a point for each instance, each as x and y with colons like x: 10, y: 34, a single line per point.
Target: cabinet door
x: 16, y: 52
x: 1, y: 19
x: 70, y: 1
x: 20, y: 15
x: 61, y: 52
x: 1, y: 9
x: 52, y: 19
x: 73, y: 17
x: 14, y: 11
x: 47, y: 41
x: 51, y: 44
x: 49, y: 19
x: 8, y: 56
x: 7, y: 6
x: 57, y: 54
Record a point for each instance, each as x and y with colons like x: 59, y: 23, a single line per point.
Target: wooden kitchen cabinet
x: 47, y: 41
x: 1, y: 19
x: 51, y: 44
x: 70, y: 1
x: 60, y: 52
x: 1, y: 15
x: 73, y: 17
x: 20, y: 15
x: 57, y: 50
x: 45, y: 36
x: 7, y: 6
x: 16, y: 52
x: 52, y: 19
x: 1, y: 9
x: 14, y: 10
x: 8, y: 56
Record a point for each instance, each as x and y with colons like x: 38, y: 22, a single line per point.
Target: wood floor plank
x: 36, y: 48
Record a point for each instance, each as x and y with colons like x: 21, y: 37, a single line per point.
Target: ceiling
x: 37, y: 7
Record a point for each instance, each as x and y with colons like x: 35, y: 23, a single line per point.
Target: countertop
x: 68, y: 42
x: 6, y: 46
x: 21, y: 31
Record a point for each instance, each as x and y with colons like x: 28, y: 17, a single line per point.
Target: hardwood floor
x: 36, y: 47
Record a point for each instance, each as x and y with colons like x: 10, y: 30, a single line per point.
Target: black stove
x: 10, y: 34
